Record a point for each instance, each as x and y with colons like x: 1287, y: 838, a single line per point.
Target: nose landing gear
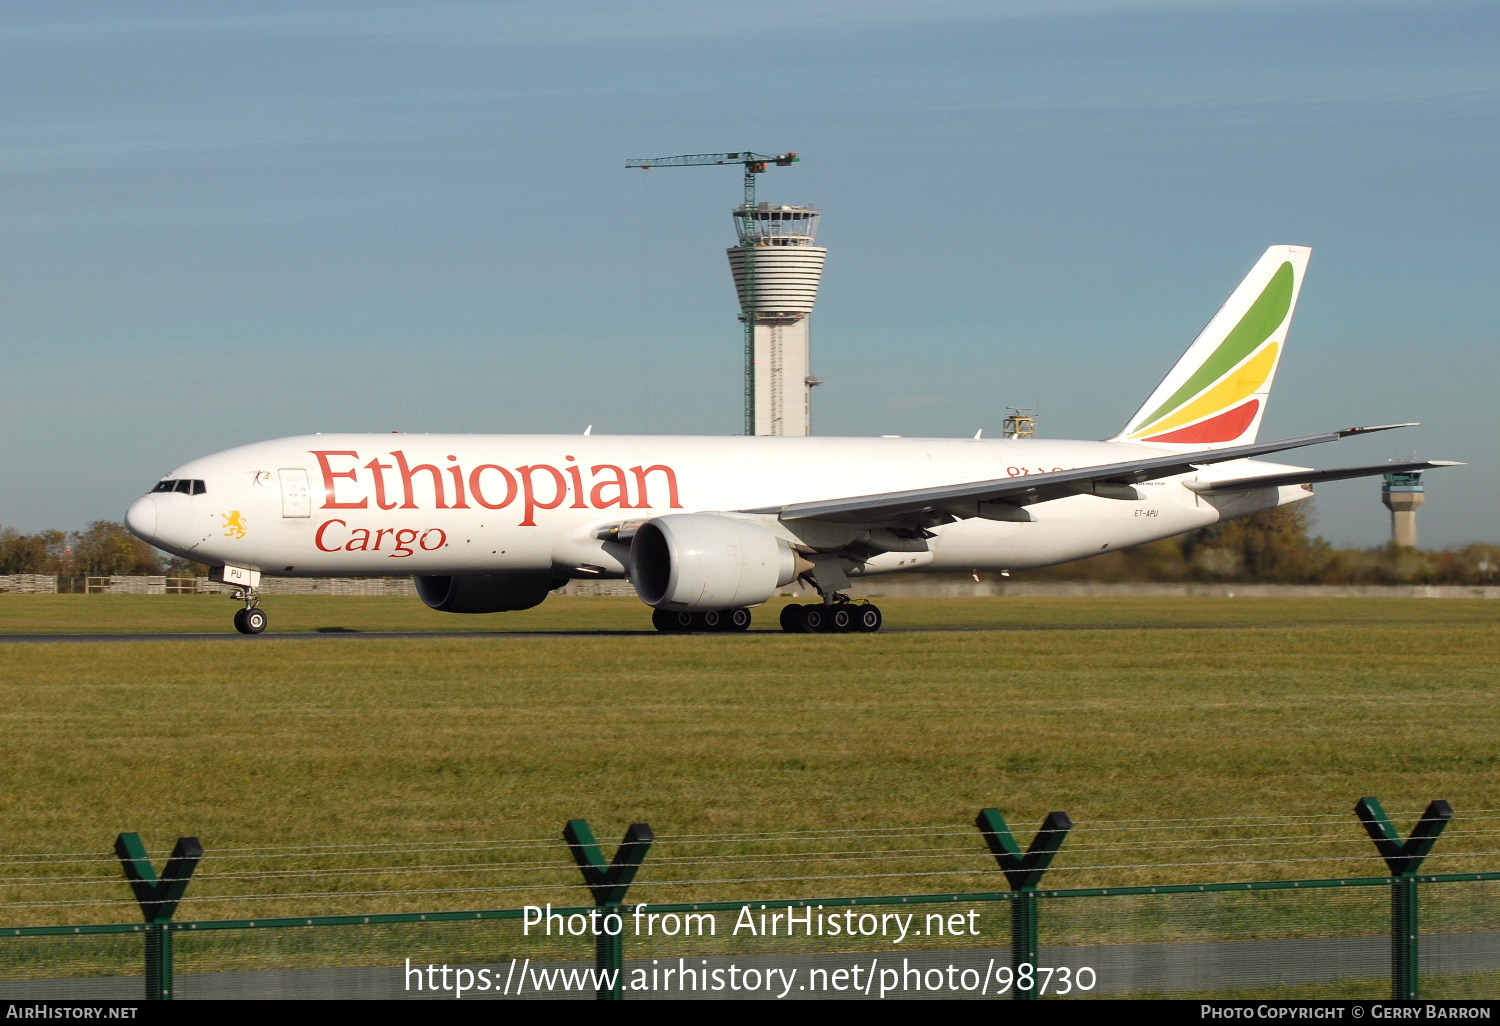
x: 252, y: 619
x: 246, y: 584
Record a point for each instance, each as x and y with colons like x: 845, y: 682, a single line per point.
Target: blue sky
x: 226, y: 222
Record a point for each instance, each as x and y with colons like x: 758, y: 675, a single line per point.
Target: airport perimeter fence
x: 1401, y: 935
x: 915, y: 586
x: 120, y: 584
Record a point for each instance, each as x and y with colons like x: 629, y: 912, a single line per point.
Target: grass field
x: 1124, y: 713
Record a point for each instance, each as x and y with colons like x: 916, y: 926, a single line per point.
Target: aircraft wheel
x: 867, y: 619
x: 791, y: 618
x: 737, y: 620
x: 713, y: 620
x: 814, y: 619
x: 670, y: 622
x: 840, y: 619
x: 250, y: 621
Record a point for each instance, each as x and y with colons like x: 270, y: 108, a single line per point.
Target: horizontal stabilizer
x: 1240, y: 484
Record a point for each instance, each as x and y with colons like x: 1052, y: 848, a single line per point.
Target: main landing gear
x: 832, y: 618
x: 671, y: 622
x: 252, y: 619
x: 836, y: 613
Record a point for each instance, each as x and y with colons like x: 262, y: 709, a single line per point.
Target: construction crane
x: 754, y: 164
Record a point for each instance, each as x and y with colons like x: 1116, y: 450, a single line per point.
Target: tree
x: 106, y: 548
x: 1269, y: 546
x: 42, y: 553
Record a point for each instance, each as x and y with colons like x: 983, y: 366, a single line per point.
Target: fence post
x: 158, y: 898
x: 1024, y: 874
x: 1404, y: 861
x: 609, y: 884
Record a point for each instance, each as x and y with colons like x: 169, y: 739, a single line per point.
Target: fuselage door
x: 296, y: 497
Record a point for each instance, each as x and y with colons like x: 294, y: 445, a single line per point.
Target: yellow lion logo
x: 235, y: 522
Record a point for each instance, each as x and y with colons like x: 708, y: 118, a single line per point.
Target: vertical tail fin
x: 1216, y: 395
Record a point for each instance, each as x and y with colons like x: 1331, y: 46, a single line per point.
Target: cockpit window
x: 187, y: 486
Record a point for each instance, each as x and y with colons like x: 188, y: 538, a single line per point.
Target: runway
x: 347, y: 633
x: 256, y: 639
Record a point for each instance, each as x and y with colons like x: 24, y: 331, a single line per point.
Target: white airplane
x: 705, y: 528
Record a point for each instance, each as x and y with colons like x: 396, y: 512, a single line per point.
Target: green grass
x: 1249, y: 709
x: 211, y: 614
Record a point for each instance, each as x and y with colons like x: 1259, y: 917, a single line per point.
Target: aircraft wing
x: 1111, y: 480
x: 1239, y: 484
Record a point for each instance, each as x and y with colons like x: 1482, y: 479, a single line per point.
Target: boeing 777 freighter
x: 706, y: 528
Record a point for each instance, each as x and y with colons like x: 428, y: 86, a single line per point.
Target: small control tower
x: 776, y: 270
x: 1403, y: 495
x: 1021, y: 423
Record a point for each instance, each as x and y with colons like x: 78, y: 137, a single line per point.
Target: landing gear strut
x: 672, y: 622
x: 252, y: 619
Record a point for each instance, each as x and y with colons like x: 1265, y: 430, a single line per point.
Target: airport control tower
x: 1402, y: 495
x: 777, y: 264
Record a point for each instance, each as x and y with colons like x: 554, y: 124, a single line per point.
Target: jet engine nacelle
x: 701, y: 562
x: 488, y: 593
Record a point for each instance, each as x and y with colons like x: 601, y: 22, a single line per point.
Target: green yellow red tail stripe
x: 1216, y: 394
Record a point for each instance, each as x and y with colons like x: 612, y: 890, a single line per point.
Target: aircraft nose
x: 141, y: 518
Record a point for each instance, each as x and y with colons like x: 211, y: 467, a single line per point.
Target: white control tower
x: 776, y: 273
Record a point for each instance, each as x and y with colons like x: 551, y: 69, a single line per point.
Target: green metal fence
x: 1401, y: 935
x: 1199, y: 941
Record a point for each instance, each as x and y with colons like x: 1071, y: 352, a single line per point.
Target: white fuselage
x: 351, y: 505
